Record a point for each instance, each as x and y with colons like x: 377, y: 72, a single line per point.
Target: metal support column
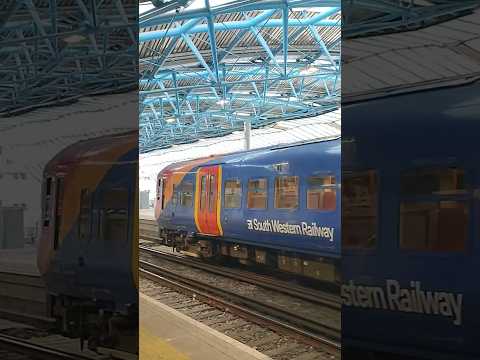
x: 247, y: 132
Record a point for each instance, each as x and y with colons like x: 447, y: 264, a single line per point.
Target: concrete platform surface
x: 19, y: 261
x: 147, y: 214
x: 166, y: 334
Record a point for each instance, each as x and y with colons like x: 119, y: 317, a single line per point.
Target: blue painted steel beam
x: 236, y: 25
x: 213, y: 43
x: 253, y: 5
x: 212, y: 88
x: 285, y: 11
x: 198, y: 55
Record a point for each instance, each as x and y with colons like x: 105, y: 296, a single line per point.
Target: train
x: 275, y: 207
x: 88, y: 247
x: 411, y: 225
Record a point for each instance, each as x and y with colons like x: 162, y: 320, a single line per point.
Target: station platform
x: 166, y: 334
x: 147, y: 214
x: 19, y: 261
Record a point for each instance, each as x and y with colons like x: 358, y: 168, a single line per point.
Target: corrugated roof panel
x: 413, y: 59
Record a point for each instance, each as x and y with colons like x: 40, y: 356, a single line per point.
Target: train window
x: 84, y: 218
x: 174, y: 195
x: 48, y: 200
x: 359, y: 209
x: 432, y: 216
x: 211, y: 193
x: 159, y: 188
x: 186, y: 195
x: 203, y: 191
x: 163, y: 195
x: 321, y: 193
x: 48, y: 187
x: 58, y: 212
x: 286, y: 192
x: 257, y: 194
x: 436, y: 181
x: 433, y: 226
x: 115, y: 215
x: 233, y: 194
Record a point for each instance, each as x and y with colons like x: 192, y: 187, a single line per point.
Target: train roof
x: 107, y: 148
x: 249, y: 154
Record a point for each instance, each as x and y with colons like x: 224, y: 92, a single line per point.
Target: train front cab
x: 87, y: 252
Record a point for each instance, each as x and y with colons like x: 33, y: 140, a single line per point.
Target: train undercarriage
x: 96, y: 323
x: 313, y: 267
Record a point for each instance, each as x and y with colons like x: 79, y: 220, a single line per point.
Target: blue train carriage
x: 411, y: 215
x: 275, y: 206
x: 88, y: 248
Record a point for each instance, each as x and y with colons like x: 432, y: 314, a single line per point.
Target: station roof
x: 209, y: 66
x: 325, y: 126
x: 394, y: 59
x: 55, y: 51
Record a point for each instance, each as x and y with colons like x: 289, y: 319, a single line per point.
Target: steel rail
x: 37, y: 352
x: 257, y: 311
x: 313, y: 296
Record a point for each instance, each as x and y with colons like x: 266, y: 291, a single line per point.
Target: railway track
x: 205, y: 297
x: 35, y: 351
x: 148, y: 227
x: 23, y: 299
x: 255, y: 310
x: 311, y: 295
x: 20, y: 349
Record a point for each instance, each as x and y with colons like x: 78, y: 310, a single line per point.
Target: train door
x: 207, y: 200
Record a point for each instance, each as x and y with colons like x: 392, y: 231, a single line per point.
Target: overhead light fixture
x: 309, y: 70
x: 274, y: 93
x: 170, y: 120
x: 74, y: 39
x: 243, y: 113
x: 222, y: 102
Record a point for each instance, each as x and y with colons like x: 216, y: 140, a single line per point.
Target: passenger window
x: 432, y: 217
x: 211, y: 195
x: 321, y: 193
x: 163, y: 195
x: 233, y: 194
x: 203, y: 191
x: 286, y: 192
x: 58, y: 211
x: 159, y: 188
x: 48, y: 187
x: 174, y: 195
x: 84, y: 218
x: 257, y: 194
x: 186, y: 195
x: 47, y: 202
x: 115, y: 215
x: 438, y: 181
x: 359, y: 209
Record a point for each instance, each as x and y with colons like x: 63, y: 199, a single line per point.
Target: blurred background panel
x: 409, y: 164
